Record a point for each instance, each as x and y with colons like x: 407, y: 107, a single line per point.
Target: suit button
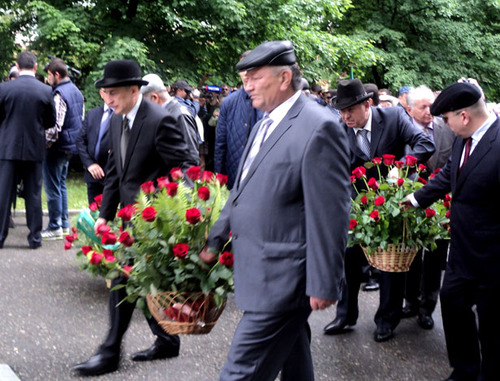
x: 235, y: 236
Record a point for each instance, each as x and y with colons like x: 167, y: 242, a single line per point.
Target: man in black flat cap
x: 145, y: 143
x: 288, y: 212
x: 471, y: 285
x: 373, y: 132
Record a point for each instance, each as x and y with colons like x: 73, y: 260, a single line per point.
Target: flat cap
x: 455, y: 97
x: 180, y: 84
x: 271, y: 53
x: 154, y: 84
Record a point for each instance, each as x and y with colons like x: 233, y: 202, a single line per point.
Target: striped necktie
x: 260, y: 138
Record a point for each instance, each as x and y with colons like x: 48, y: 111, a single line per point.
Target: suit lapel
x: 377, y: 129
x: 134, y: 133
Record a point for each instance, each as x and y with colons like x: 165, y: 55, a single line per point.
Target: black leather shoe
x: 338, y: 326
x: 408, y: 312
x: 35, y: 245
x: 383, y: 334
x: 372, y: 285
x: 155, y: 352
x: 425, y: 321
x: 96, y: 365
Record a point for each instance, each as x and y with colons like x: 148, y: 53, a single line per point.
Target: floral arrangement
x: 156, y: 241
x: 378, y: 216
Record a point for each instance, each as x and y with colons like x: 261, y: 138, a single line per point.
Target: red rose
x: 126, y: 213
x: 93, y: 207
x: 193, y: 216
x: 204, y: 193
x: 377, y: 160
x: 162, y: 182
x: 375, y: 215
x: 226, y: 259
x: 149, y: 214
x: 353, y: 179
x: 411, y: 160
x: 67, y: 245
x: 207, y: 176
x: 103, y: 229
x: 96, y: 258
x: 359, y: 172
x: 70, y: 238
x: 180, y: 250
x: 447, y: 214
x: 148, y: 187
x: 446, y: 204
x: 421, y: 180
x: 447, y: 197
x: 108, y: 255
x: 372, y: 183
x: 422, y: 167
x: 126, y: 239
x: 98, y: 200
x: 176, y: 173
x: 73, y: 229
x: 399, y: 164
x: 388, y: 159
x: 380, y: 200
x: 127, y: 270
x: 432, y: 176
x: 352, y: 223
x: 401, y: 182
x: 429, y: 213
x: 364, y: 200
x: 172, y: 189
x: 222, y: 179
x: 436, y: 171
x: 108, y: 239
x: 86, y: 249
x: 194, y: 173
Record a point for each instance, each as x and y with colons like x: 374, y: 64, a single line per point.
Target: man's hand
x: 406, y: 204
x: 96, y: 171
x: 320, y: 304
x: 207, y: 256
x: 100, y: 221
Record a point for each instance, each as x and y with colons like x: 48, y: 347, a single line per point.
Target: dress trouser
x: 94, y: 188
x: 472, y: 334
x: 120, y: 316
x: 30, y: 172
x: 265, y: 343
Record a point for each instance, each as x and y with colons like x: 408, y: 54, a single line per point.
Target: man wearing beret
x: 145, y: 143
x: 373, y: 132
x: 288, y: 212
x: 471, y: 285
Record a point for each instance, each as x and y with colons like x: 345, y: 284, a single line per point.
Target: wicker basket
x: 184, y: 312
x: 397, y: 258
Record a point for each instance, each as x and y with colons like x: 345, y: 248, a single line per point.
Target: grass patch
x: 77, y: 193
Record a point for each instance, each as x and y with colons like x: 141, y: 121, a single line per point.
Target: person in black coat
x: 93, y: 147
x: 388, y: 131
x: 471, y: 286
x: 26, y: 111
x: 153, y: 144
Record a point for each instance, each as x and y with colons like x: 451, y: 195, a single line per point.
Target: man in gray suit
x: 423, y: 281
x: 288, y: 213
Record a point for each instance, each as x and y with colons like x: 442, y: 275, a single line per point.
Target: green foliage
x: 378, y: 214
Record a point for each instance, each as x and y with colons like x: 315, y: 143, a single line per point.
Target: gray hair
x: 420, y: 92
x: 296, y: 74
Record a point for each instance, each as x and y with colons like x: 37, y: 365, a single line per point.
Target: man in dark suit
x: 93, y: 147
x: 288, y: 212
x: 145, y: 144
x: 26, y: 110
x: 423, y: 281
x: 471, y: 287
x: 373, y: 132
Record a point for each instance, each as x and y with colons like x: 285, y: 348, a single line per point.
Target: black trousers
x: 120, y: 314
x: 30, y: 172
x: 94, y: 189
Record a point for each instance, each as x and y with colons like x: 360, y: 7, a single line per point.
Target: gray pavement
x: 52, y: 315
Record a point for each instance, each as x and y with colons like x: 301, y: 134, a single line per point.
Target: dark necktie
x: 468, y: 144
x: 363, y: 142
x: 102, y: 140
x: 124, y: 140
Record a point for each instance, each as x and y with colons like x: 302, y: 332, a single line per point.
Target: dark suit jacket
x: 26, y: 110
x: 475, y: 208
x: 289, y: 217
x: 87, y: 140
x: 443, y: 140
x: 156, y: 145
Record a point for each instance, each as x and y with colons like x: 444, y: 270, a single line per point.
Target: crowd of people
x: 288, y: 151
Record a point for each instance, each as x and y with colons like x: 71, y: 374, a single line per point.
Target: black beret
x: 455, y: 97
x: 271, y: 53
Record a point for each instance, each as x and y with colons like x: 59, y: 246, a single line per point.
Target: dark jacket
x: 236, y: 120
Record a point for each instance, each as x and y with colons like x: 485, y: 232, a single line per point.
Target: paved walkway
x: 52, y: 315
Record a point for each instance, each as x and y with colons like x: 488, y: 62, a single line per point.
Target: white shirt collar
x: 280, y: 112
x: 479, y: 133
x: 27, y: 72
x: 133, y: 113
